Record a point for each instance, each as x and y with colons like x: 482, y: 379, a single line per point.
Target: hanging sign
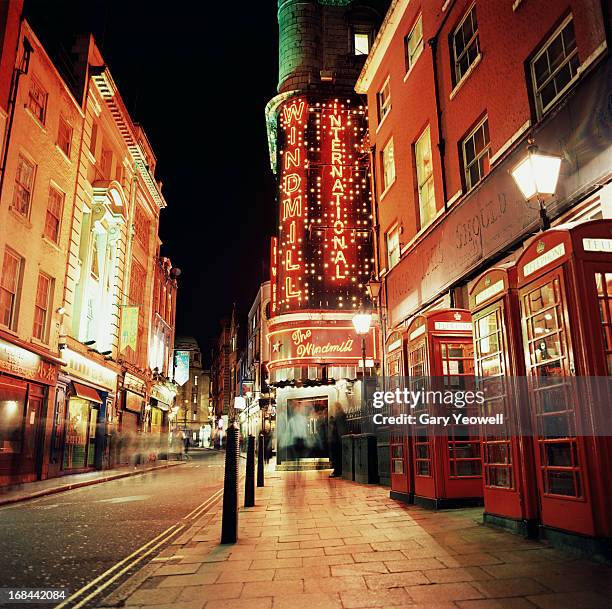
x: 129, y: 328
x: 181, y: 367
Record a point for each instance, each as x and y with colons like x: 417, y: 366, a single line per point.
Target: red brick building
x: 455, y: 89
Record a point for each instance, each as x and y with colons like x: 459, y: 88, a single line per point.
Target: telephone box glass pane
x: 603, y: 283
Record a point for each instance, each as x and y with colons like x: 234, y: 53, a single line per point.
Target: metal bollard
x: 260, y: 460
x: 249, y: 482
x: 229, y: 523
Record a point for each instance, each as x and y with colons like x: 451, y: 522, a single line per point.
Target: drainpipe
x: 17, y: 73
x: 433, y: 43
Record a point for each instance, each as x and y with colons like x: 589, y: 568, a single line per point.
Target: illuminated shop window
x: 413, y: 43
x: 37, y: 100
x: 383, y: 99
x: 475, y: 148
x: 361, y: 41
x: 393, y: 246
x: 425, y: 180
x: 388, y: 165
x: 53, y: 219
x: 554, y: 67
x: 24, y: 185
x: 64, y: 136
x: 9, y: 288
x: 41, y: 307
x: 465, y: 44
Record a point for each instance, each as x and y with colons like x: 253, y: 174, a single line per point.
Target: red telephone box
x: 402, y: 475
x: 509, y: 487
x: 565, y: 292
x: 447, y: 465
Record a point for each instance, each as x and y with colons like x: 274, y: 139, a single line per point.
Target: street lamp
x: 373, y: 287
x: 362, y: 322
x: 536, y: 176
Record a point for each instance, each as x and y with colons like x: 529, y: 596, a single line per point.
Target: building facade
x: 458, y: 95
x: 321, y: 258
x: 194, y: 416
x: 85, y: 355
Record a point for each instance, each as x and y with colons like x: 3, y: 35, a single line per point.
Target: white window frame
x: 424, y: 180
x: 32, y: 100
x: 387, y: 180
x: 357, y: 32
x: 393, y: 252
x: 383, y: 103
x: 540, y: 110
x: 457, y: 74
x: 412, y: 59
x: 48, y: 306
x: 20, y: 185
x: 64, y: 123
x: 485, y: 151
x: 12, y: 322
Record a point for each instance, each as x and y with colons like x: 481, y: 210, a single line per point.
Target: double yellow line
x: 116, y: 571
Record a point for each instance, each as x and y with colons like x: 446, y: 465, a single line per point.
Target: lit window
x: 64, y: 136
x: 393, y: 246
x: 24, y: 183
x: 425, y: 180
x: 53, y: 219
x: 41, y: 307
x: 37, y: 100
x: 388, y: 165
x: 555, y: 66
x: 413, y: 43
x: 466, y: 47
x: 9, y: 285
x: 361, y: 41
x: 476, y: 154
x: 383, y: 99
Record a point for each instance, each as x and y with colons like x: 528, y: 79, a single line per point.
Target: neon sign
x: 323, y: 258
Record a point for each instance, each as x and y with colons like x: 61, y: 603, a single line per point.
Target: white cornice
x: 381, y: 44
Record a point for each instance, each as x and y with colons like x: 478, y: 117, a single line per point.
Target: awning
x: 87, y: 393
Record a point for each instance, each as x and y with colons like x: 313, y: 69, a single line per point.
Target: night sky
x: 197, y: 76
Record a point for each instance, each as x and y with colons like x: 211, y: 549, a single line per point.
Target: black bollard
x: 249, y: 482
x: 229, y: 523
x: 260, y: 460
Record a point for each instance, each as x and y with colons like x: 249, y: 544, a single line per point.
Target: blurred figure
x: 297, y: 429
x: 338, y: 429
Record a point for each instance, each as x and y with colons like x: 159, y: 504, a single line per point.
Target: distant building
x: 194, y: 413
x: 220, y: 371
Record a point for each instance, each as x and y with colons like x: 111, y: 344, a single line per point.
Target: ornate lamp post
x: 536, y: 176
x: 362, y: 322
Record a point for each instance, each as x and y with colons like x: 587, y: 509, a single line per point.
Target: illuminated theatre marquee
x: 322, y: 258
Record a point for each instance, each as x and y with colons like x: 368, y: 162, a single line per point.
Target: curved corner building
x: 321, y: 257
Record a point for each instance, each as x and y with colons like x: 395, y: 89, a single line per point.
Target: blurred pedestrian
x: 338, y: 429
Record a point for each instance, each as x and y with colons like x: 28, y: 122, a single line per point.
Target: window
x: 393, y: 246
x: 106, y: 164
x: 475, y: 148
x: 64, y: 136
x: 9, y: 285
x: 94, y: 138
x: 383, y: 99
x: 387, y: 157
x: 413, y: 43
x: 465, y: 45
x: 554, y: 67
x: 53, y: 220
x: 425, y: 180
x: 41, y: 307
x: 361, y: 42
x: 37, y: 100
x: 24, y: 183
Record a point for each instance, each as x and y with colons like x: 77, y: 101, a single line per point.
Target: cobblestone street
x: 316, y: 543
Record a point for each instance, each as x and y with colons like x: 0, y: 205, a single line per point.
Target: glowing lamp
x: 362, y: 323
x: 536, y: 176
x: 373, y: 286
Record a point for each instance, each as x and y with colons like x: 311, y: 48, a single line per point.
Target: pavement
x: 312, y: 542
x: 41, y: 488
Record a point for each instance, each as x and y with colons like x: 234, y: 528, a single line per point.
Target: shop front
x: 83, y: 415
x: 161, y: 400
x: 27, y: 383
x: 315, y: 367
